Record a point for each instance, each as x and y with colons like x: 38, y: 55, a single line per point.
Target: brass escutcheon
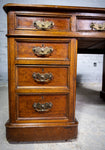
x: 42, y: 107
x: 43, y: 25
x: 42, y: 78
x: 98, y: 27
x: 42, y: 51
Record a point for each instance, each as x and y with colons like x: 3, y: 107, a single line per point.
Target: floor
x: 90, y: 112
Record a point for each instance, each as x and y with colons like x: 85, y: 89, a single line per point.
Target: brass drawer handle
x: 42, y: 78
x: 98, y: 27
x: 42, y: 51
x: 42, y: 107
x: 43, y: 25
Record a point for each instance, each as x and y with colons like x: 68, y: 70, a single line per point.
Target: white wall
x: 86, y: 71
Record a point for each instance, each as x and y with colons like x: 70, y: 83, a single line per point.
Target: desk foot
x: 18, y: 132
x: 102, y: 95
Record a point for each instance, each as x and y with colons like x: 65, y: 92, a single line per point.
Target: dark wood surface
x: 14, y: 6
x: 41, y: 131
x: 24, y: 76
x: 58, y: 112
x: 24, y: 48
x: 71, y: 31
x: 27, y: 22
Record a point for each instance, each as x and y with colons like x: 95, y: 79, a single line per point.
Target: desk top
x: 13, y: 6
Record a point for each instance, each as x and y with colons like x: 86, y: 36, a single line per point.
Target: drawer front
x: 90, y: 24
x: 42, y: 23
x: 42, y: 76
x: 56, y: 49
x: 42, y: 106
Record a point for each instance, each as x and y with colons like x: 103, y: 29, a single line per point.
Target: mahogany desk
x: 42, y: 57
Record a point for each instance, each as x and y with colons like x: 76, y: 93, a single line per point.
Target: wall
x: 86, y: 71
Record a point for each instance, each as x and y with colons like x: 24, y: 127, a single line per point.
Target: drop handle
x: 42, y: 107
x: 42, y: 51
x: 98, y: 27
x: 42, y: 77
x: 43, y: 25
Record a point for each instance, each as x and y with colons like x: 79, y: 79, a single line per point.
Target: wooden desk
x: 42, y: 57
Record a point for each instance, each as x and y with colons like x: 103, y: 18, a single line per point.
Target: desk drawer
x: 42, y: 76
x: 42, y: 23
x: 42, y: 106
x: 42, y: 49
x: 90, y: 24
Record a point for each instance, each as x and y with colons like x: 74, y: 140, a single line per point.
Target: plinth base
x: 41, y: 131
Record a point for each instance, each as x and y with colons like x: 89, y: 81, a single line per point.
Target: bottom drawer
x: 32, y: 107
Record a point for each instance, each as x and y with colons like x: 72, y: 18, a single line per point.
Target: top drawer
x: 90, y: 24
x: 39, y: 22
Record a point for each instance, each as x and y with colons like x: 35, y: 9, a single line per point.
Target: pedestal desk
x: 42, y: 58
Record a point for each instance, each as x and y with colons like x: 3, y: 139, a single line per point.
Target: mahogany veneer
x: 60, y: 75
x: 59, y: 110
x: 26, y: 22
x: 24, y: 48
x: 42, y: 60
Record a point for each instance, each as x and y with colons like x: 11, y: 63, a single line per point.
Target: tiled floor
x: 90, y: 112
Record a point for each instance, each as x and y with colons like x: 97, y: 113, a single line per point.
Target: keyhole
x: 42, y: 69
x: 42, y: 45
x: 42, y: 49
x: 43, y: 20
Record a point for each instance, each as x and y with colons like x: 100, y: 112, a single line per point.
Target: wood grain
x: 24, y: 75
x: 27, y: 22
x: 24, y: 48
x: 41, y: 132
x: 71, y: 26
x: 83, y: 23
x: 55, y: 8
x: 26, y: 111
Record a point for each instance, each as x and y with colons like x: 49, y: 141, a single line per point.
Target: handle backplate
x: 98, y: 27
x: 42, y: 107
x: 42, y: 78
x: 42, y: 51
x: 43, y: 25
